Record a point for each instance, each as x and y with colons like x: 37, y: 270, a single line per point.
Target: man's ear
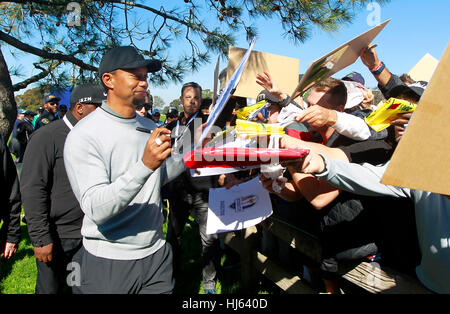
x: 79, y: 109
x: 108, y: 80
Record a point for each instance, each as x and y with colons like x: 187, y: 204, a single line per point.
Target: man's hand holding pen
x: 157, y: 148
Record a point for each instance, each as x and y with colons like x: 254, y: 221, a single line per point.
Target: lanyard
x: 187, y: 124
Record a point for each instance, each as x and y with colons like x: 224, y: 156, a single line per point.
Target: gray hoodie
x: 118, y: 194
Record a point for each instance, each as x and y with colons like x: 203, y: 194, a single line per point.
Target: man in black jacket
x: 10, y: 205
x: 50, y: 111
x: 23, y: 132
x: 54, y: 216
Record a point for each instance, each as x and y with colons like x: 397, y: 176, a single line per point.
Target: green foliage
x: 158, y: 102
x: 31, y: 99
x: 155, y: 29
x: 175, y: 103
x: 207, y: 93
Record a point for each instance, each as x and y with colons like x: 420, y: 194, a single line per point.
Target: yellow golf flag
x: 388, y: 112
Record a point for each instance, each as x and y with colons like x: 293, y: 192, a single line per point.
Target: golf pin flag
x: 388, y: 112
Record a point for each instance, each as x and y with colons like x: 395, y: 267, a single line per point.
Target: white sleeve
x: 351, y: 126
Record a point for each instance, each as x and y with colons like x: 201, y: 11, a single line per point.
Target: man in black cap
x: 53, y: 213
x: 50, y: 111
x: 23, y: 132
x: 116, y: 162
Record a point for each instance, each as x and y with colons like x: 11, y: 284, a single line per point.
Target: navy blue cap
x: 355, y: 77
x: 29, y: 113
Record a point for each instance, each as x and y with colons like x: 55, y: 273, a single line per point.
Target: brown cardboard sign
x: 423, y: 70
x: 336, y: 60
x: 283, y: 70
x: 421, y: 160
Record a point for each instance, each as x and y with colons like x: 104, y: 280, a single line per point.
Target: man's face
x: 319, y: 98
x: 29, y: 118
x: 156, y: 116
x: 52, y: 107
x: 322, y: 99
x: 130, y: 85
x: 141, y: 110
x: 191, y: 100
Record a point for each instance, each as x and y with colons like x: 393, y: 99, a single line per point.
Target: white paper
x: 237, y: 208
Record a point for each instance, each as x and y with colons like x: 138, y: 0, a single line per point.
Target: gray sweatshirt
x: 118, y: 194
x: 432, y: 213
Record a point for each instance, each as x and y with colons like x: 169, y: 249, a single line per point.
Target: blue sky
x: 417, y: 27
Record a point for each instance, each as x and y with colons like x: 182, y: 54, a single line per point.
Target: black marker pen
x: 144, y: 130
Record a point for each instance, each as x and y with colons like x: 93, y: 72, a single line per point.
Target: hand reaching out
x: 317, y: 116
x: 368, y: 98
x: 268, y: 84
x: 369, y: 57
x: 313, y: 163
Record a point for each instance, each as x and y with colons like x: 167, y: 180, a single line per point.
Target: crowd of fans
x: 92, y: 190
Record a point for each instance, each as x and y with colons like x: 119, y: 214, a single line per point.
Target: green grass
x: 18, y: 274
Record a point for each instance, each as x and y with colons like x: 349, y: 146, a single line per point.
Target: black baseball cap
x: 412, y: 92
x: 126, y: 57
x: 29, y: 113
x: 268, y: 97
x: 87, y: 94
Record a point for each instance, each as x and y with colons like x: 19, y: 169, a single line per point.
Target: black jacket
x: 23, y: 133
x: 48, y: 201
x: 10, y: 205
x: 24, y: 130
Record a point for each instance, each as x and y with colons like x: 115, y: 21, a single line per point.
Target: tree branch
x: 18, y: 86
x: 44, y: 54
x: 169, y: 17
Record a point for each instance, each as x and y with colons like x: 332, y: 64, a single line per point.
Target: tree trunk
x: 8, y: 107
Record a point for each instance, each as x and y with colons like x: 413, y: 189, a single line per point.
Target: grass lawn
x: 18, y: 275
